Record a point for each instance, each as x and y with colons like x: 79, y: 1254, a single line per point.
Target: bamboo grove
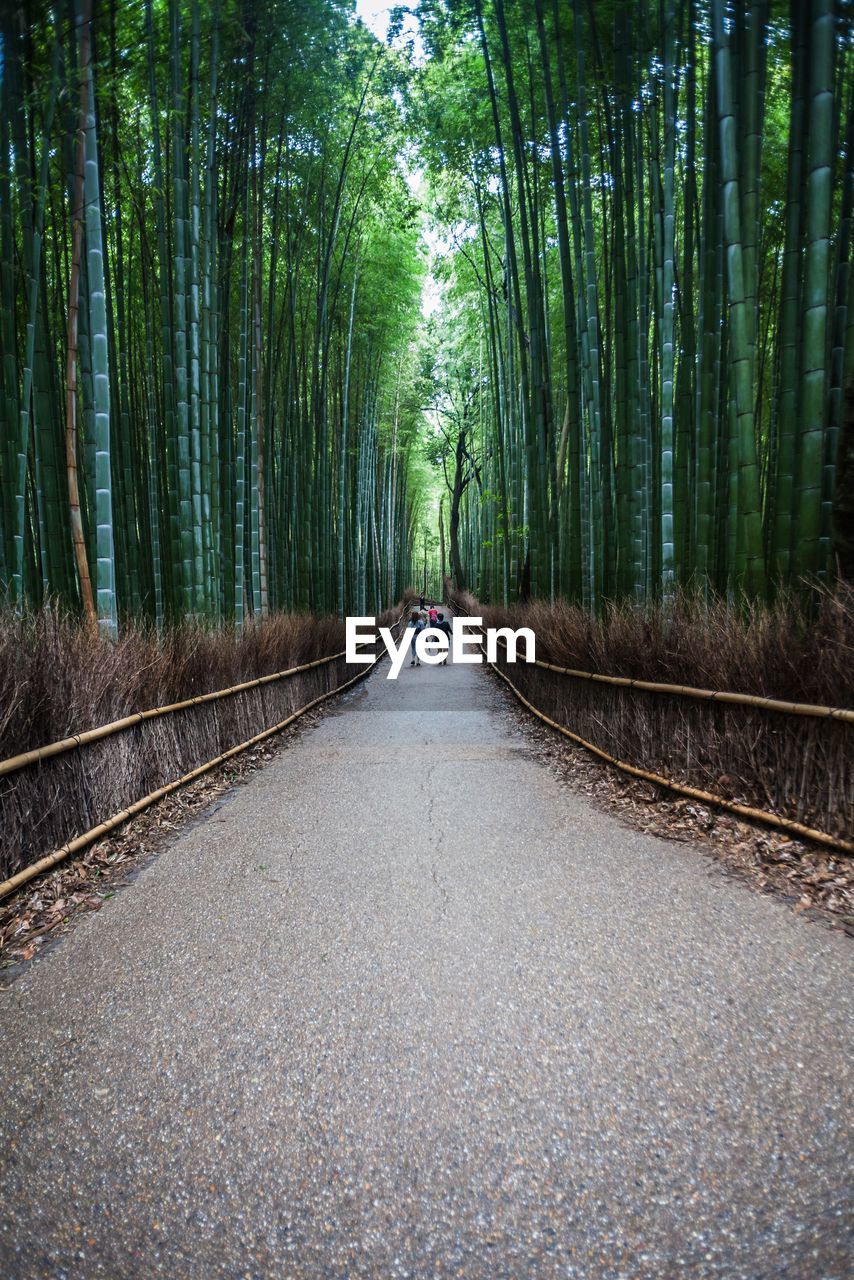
x: 210, y: 278
x: 649, y: 311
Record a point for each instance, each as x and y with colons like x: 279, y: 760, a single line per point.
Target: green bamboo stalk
x: 78, y: 213
x: 259, y: 503
x: 592, y: 325
x: 788, y: 326
x: 746, y: 513
x: 172, y: 514
x: 667, y: 325
x: 8, y: 336
x: 809, y: 556
x: 571, y: 426
x: 34, y: 236
x: 709, y: 325
x: 831, y: 530
x: 179, y: 318
x: 689, y: 313
x: 105, y: 576
x: 193, y: 230
x: 242, y: 417
x: 210, y: 308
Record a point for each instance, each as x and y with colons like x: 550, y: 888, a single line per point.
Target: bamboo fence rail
x: 707, y: 797
x: 14, y: 763
x: 706, y: 695
x: 103, y: 828
x: 751, y: 812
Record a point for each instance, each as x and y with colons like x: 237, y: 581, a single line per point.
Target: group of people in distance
x: 424, y: 617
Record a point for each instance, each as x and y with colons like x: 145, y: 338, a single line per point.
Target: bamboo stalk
x: 105, y: 547
x: 745, y: 507
x: 809, y: 555
x: 33, y: 216
x: 667, y: 321
x: 78, y: 541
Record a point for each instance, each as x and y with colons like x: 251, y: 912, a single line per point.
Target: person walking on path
x: 441, y: 624
x: 415, y: 625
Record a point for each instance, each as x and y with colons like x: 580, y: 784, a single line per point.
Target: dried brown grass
x: 798, y: 767
x: 56, y: 679
x: 782, y: 650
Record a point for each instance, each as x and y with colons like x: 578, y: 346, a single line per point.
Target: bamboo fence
x: 786, y: 764
x: 14, y: 763
x: 706, y: 695
x: 66, y: 791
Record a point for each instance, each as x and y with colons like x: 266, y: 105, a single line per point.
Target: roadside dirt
x: 811, y: 880
x: 41, y: 912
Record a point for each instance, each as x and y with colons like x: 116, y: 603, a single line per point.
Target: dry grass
x: 55, y: 680
x: 797, y: 767
x: 777, y: 651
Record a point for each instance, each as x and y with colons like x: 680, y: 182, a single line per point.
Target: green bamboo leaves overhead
x: 671, y: 180
x: 204, y: 328
x: 210, y: 275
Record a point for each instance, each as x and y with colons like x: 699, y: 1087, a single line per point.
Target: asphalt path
x: 406, y: 1005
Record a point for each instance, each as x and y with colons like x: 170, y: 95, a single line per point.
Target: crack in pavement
x: 437, y: 835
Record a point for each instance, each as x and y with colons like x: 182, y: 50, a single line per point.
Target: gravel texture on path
x: 405, y: 1005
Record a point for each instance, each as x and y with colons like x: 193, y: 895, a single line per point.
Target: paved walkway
x: 406, y: 1006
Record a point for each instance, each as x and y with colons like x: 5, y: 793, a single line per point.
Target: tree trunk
x: 77, y: 538
x: 456, y: 498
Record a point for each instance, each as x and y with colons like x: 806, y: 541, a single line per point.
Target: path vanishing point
x: 405, y: 1005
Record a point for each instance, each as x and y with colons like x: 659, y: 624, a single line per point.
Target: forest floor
x: 405, y: 1005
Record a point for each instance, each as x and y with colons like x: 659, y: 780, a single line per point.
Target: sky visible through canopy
x: 375, y: 15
